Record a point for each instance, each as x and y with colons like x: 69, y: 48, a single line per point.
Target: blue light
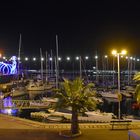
x: 7, y: 68
x: 7, y: 102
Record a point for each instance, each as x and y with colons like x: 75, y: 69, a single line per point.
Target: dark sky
x: 83, y: 27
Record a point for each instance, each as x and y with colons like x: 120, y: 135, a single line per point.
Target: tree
x: 78, y: 96
x: 137, y: 90
x: 137, y: 77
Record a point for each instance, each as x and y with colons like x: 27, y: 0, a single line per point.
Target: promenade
x: 12, y: 128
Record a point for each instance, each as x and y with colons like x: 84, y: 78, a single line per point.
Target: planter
x: 68, y: 134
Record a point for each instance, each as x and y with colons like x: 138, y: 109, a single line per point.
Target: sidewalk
x: 7, y: 122
x: 12, y: 128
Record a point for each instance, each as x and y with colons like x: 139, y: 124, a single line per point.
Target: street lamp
x: 123, y: 52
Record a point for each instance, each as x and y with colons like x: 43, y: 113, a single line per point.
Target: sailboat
x: 39, y: 85
x: 35, y: 86
x: 17, y: 87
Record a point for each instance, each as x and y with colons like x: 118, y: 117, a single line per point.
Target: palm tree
x: 137, y: 77
x: 137, y: 90
x: 77, y: 95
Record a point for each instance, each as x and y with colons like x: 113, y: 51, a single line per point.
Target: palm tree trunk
x: 74, y: 121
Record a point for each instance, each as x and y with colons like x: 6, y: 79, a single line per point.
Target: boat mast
x: 41, y: 65
x: 57, y: 63
x: 80, y: 67
x: 46, y: 67
x: 19, y: 55
x: 56, y: 72
x: 51, y: 64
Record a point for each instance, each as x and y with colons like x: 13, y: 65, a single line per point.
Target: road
x: 12, y: 128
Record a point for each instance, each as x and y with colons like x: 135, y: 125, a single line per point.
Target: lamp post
x: 123, y: 52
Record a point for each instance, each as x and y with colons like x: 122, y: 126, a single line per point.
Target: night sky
x: 83, y: 27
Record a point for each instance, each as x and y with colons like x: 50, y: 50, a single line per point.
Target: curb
x: 34, y: 124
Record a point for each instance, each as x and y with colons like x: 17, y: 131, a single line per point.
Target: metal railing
x: 25, y: 104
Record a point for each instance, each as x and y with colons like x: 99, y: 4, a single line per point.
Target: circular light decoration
x: 9, y: 68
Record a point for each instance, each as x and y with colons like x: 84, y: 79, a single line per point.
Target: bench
x: 120, y: 123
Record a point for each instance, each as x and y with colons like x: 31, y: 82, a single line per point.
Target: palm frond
x: 76, y: 93
x: 136, y: 77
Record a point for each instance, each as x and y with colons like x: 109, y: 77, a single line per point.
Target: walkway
x: 12, y: 128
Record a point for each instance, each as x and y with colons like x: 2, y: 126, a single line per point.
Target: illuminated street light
x: 68, y: 58
x: 50, y: 58
x: 114, y: 52
x: 34, y: 59
x: 86, y: 57
x: 26, y: 58
x: 96, y: 57
x: 123, y: 52
x: 77, y: 58
x: 42, y: 59
x: 18, y: 58
x: 126, y: 57
x: 4, y: 57
x: 106, y: 56
x: 138, y: 60
x: 59, y: 58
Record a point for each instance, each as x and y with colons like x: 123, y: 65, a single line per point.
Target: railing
x: 120, y: 123
x: 25, y: 104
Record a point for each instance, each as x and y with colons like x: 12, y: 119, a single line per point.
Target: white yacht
x: 35, y: 86
x: 38, y: 86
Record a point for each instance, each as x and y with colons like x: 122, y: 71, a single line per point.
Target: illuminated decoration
x: 7, y: 102
x: 8, y: 69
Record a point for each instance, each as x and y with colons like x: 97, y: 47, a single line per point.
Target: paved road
x: 18, y: 129
x: 11, y: 123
